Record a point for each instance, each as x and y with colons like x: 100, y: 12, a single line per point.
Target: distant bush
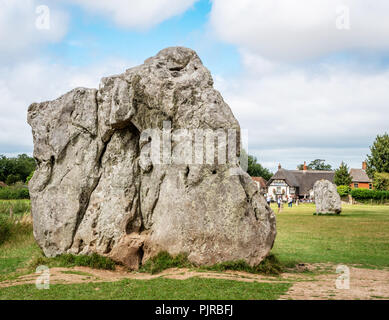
x: 344, y: 190
x: 367, y: 194
x: 24, y: 193
x: 15, y: 192
x: 19, y: 207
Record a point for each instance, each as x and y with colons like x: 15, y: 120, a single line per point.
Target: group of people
x: 280, y: 202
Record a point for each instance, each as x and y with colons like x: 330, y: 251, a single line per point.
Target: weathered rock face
x: 327, y: 198
x: 99, y: 186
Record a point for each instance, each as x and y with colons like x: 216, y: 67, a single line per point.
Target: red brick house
x: 360, y: 178
x: 261, y: 184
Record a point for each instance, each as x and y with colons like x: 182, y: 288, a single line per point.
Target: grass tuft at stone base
x: 269, y: 266
x: 163, y: 261
x: 326, y: 214
x: 94, y: 261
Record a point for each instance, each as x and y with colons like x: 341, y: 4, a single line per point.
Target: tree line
x: 16, y: 169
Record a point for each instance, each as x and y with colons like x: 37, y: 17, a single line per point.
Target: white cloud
x: 292, y: 113
x: 137, y: 14
x: 18, y: 27
x: 37, y: 81
x: 28, y: 75
x: 291, y: 109
x: 290, y: 158
x: 295, y: 106
x: 292, y: 30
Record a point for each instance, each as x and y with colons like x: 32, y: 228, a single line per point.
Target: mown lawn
x: 155, y: 289
x: 360, y: 235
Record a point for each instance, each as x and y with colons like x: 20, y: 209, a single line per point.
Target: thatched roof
x: 302, y: 179
x: 285, y: 175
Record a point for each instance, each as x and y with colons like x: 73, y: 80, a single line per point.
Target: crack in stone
x: 110, y: 203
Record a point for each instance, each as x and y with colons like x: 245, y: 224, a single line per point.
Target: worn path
x: 316, y: 281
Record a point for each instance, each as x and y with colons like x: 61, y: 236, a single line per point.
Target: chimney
x: 279, y: 166
x: 364, y: 165
x: 305, y: 166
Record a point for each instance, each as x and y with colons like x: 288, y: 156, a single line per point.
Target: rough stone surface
x: 96, y: 189
x: 327, y: 198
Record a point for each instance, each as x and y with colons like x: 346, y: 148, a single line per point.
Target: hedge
x: 367, y: 194
x: 10, y: 193
x: 344, y: 190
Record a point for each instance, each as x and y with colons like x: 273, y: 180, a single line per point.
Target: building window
x: 370, y: 186
x: 356, y: 185
x: 278, y: 190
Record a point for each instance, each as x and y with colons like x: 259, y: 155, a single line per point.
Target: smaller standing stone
x: 327, y: 198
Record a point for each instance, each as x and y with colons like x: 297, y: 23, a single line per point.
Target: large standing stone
x: 327, y: 198
x: 98, y: 187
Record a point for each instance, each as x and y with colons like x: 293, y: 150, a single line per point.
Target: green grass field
x: 360, y: 235
x: 155, y: 289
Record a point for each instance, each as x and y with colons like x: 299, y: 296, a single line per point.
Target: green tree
x: 317, y: 164
x: 24, y: 166
x: 255, y: 169
x: 342, y: 175
x: 18, y: 168
x: 381, y: 181
x: 378, y: 160
x: 7, y: 167
x: 30, y: 176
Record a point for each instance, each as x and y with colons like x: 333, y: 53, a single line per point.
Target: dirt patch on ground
x: 84, y: 274
x: 309, y: 281
x: 364, y: 284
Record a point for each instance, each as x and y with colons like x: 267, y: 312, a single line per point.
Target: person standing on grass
x: 279, y: 202
x: 290, y: 202
x: 268, y: 199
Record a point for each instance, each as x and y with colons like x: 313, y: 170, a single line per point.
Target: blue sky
x: 308, y: 79
x: 93, y: 38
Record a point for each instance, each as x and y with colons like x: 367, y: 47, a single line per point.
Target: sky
x: 307, y: 79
